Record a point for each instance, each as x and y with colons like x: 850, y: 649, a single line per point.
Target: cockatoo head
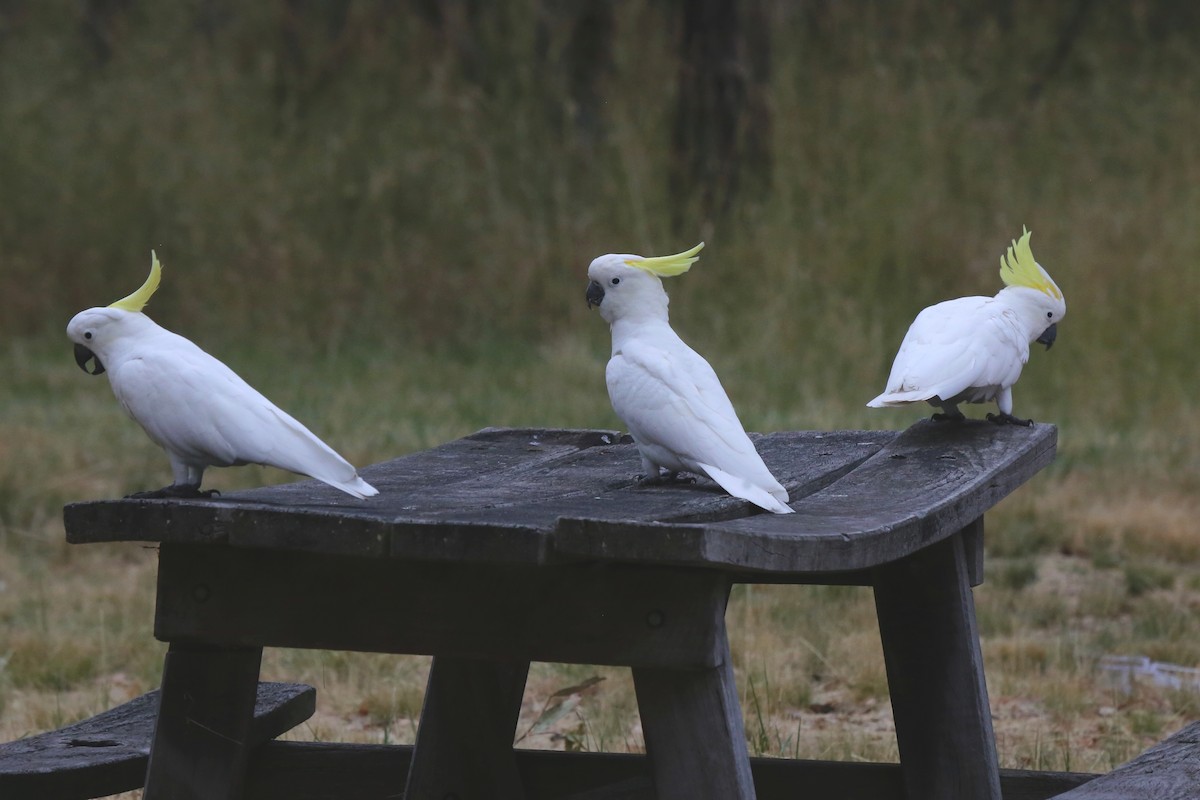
x: 1032, y: 291
x: 96, y: 330
x: 626, y: 285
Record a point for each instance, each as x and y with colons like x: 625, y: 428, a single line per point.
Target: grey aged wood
x: 332, y: 771
x: 107, y: 754
x: 935, y: 674
x: 493, y: 497
x: 464, y: 743
x: 692, y: 723
x: 202, y: 733
x: 1170, y: 770
x: 922, y: 486
x: 515, y: 545
x: 863, y: 498
x: 594, y: 614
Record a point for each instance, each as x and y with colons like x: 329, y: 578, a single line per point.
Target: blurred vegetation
x: 381, y: 214
x: 380, y: 178
x: 405, y: 174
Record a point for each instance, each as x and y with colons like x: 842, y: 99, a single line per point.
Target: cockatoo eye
x: 87, y: 335
x: 615, y: 281
x: 1049, y: 315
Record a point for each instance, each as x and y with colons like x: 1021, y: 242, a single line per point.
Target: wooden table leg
x: 695, y: 738
x: 464, y: 747
x: 201, y: 739
x: 935, y: 673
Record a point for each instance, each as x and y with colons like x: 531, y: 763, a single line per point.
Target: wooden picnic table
x: 517, y: 545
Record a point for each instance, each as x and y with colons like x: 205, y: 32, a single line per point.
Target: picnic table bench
x: 517, y: 545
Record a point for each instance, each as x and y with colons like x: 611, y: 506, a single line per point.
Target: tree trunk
x: 722, y: 127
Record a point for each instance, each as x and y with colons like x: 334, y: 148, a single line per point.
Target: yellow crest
x: 137, y: 301
x: 668, y: 266
x: 1018, y: 268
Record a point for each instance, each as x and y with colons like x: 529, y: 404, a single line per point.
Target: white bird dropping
x: 667, y: 395
x: 193, y: 406
x: 971, y: 350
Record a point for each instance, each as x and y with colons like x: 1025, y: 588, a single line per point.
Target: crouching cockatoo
x: 193, y: 406
x: 971, y: 350
x: 667, y: 395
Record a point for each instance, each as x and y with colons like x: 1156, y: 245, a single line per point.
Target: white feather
x: 971, y: 346
x: 671, y: 399
x: 969, y: 350
x: 201, y: 412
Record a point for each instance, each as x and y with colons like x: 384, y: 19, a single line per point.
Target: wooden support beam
x: 935, y: 674
x: 203, y: 734
x: 692, y: 721
x: 334, y: 771
x: 464, y: 744
x: 590, y: 614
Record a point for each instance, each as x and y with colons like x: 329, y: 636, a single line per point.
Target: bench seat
x: 107, y: 754
x: 1170, y: 770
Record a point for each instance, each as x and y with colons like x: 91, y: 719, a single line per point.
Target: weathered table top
x: 544, y: 497
x: 512, y: 546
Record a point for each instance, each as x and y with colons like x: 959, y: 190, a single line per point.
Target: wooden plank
x: 107, y: 754
x: 935, y: 675
x: 495, y: 497
x: 1022, y: 784
x: 530, y: 497
x: 465, y: 739
x: 327, y: 771
x: 308, y: 515
x: 202, y: 736
x: 924, y: 485
x: 692, y: 722
x: 330, y: 771
x: 972, y: 536
x: 593, y: 614
x: 1170, y: 770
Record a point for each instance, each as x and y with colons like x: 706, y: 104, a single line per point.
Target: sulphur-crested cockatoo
x: 193, y: 406
x: 668, y: 395
x: 971, y: 350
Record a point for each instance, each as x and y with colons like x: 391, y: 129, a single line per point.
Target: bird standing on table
x: 193, y: 406
x: 971, y: 350
x: 668, y: 396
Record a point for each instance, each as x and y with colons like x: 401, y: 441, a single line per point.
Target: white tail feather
x: 355, y: 486
x: 888, y: 399
x: 740, y: 487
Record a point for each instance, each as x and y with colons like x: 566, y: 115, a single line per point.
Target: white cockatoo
x: 668, y: 395
x: 971, y: 350
x: 193, y: 406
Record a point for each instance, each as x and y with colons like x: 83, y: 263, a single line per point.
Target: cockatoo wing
x: 672, y: 399
x: 199, y: 410
x: 953, y: 347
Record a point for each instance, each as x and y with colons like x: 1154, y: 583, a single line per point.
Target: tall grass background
x: 384, y: 220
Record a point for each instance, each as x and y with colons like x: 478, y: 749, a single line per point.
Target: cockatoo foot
x: 1009, y: 419
x: 957, y: 416
x: 180, y: 491
x: 675, y: 477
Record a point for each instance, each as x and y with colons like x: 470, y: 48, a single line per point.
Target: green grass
x: 394, y: 249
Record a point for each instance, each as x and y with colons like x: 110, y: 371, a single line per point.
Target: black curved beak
x: 83, y: 356
x: 1048, y: 336
x: 595, y: 294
